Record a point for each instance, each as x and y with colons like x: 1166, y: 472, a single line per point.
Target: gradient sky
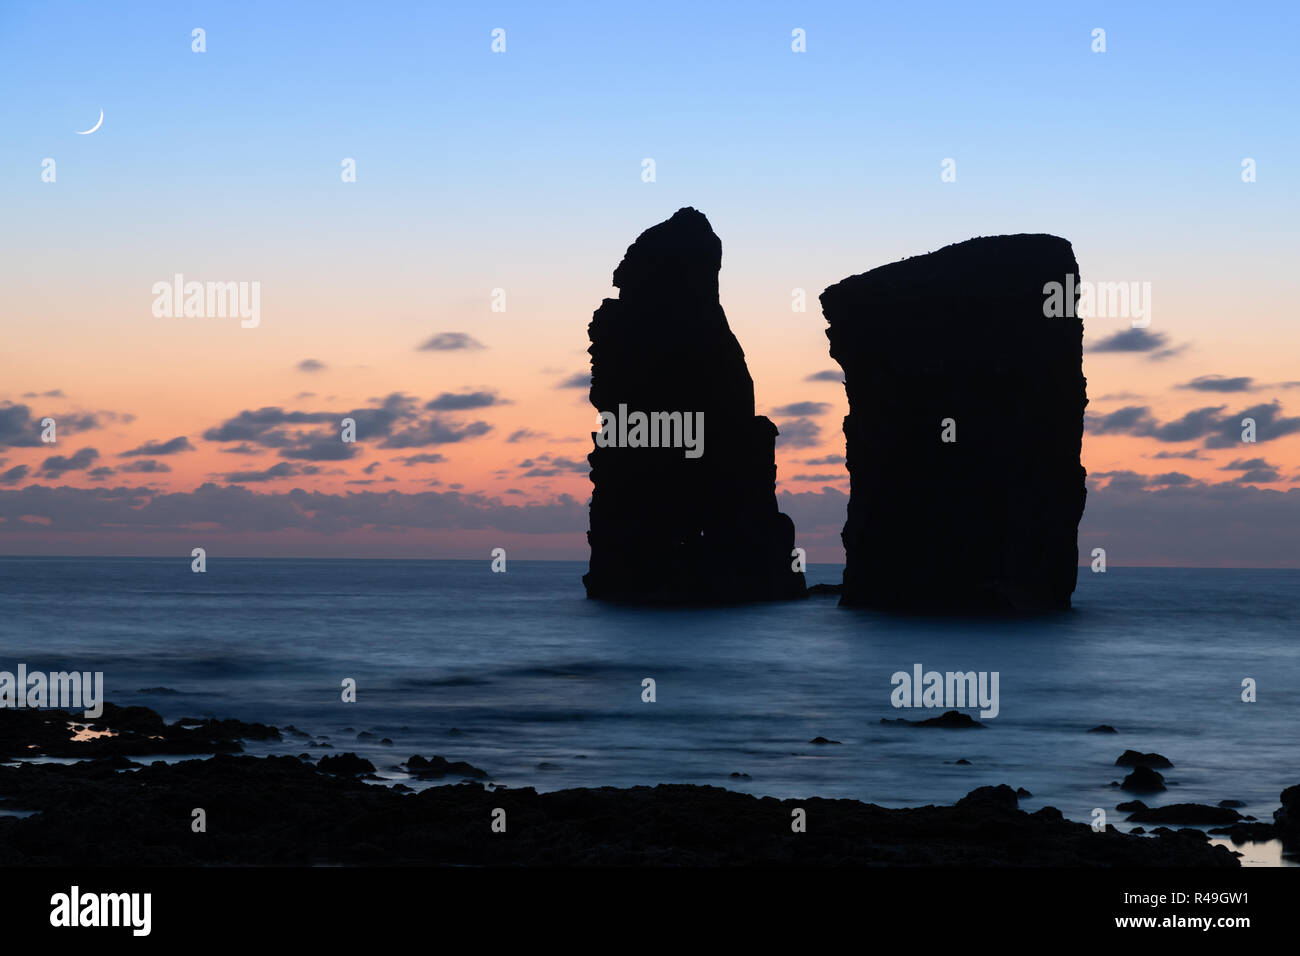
x: 522, y: 171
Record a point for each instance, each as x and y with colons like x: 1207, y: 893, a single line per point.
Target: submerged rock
x: 1132, y: 758
x: 965, y: 424
x: 1144, y: 780
x: 953, y: 719
x: 684, y: 508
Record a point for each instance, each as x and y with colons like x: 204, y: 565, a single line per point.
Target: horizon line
x: 488, y: 558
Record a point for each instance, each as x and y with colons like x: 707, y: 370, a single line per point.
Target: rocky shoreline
x: 283, y: 810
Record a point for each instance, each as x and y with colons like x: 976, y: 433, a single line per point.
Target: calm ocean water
x: 519, y: 674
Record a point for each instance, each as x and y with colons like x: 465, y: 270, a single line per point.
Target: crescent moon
x: 87, y: 132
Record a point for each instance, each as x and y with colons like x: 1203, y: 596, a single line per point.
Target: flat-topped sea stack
x: 684, y: 505
x: 966, y: 398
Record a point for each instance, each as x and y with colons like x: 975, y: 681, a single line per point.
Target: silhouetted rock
x: 1245, y: 830
x: 289, y: 813
x: 822, y: 740
x: 1130, y: 805
x: 1185, y: 813
x: 999, y: 798
x: 1286, y: 818
x: 1103, y: 729
x: 953, y: 719
x: 668, y: 525
x: 1131, y: 758
x: 345, y: 763
x: 1144, y: 780
x: 1232, y: 804
x: 988, y: 522
x: 128, y: 731
x: 825, y: 589
x: 439, y: 767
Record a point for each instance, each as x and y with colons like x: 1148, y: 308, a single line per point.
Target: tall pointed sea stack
x: 684, y: 507
x: 966, y: 397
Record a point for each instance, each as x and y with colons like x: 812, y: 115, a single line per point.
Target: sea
x: 519, y: 674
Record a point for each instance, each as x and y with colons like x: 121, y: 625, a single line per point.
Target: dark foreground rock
x: 988, y: 522
x: 1187, y: 813
x: 134, y: 731
x: 279, y: 810
x: 345, y: 763
x: 435, y: 768
x: 668, y: 528
x: 1287, y: 816
x: 1286, y: 820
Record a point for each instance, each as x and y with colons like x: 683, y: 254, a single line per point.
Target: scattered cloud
x: 281, y: 469
x: 437, y: 431
x: 56, y: 465
x: 1218, y: 430
x: 1254, y: 471
x: 801, y: 409
x: 1219, y: 383
x: 450, y: 402
x: 429, y: 459
x: 1138, y: 340
x: 799, y: 433
x: 450, y: 342
x: 20, y: 429
x: 546, y: 466
x: 153, y: 448
x: 146, y: 465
